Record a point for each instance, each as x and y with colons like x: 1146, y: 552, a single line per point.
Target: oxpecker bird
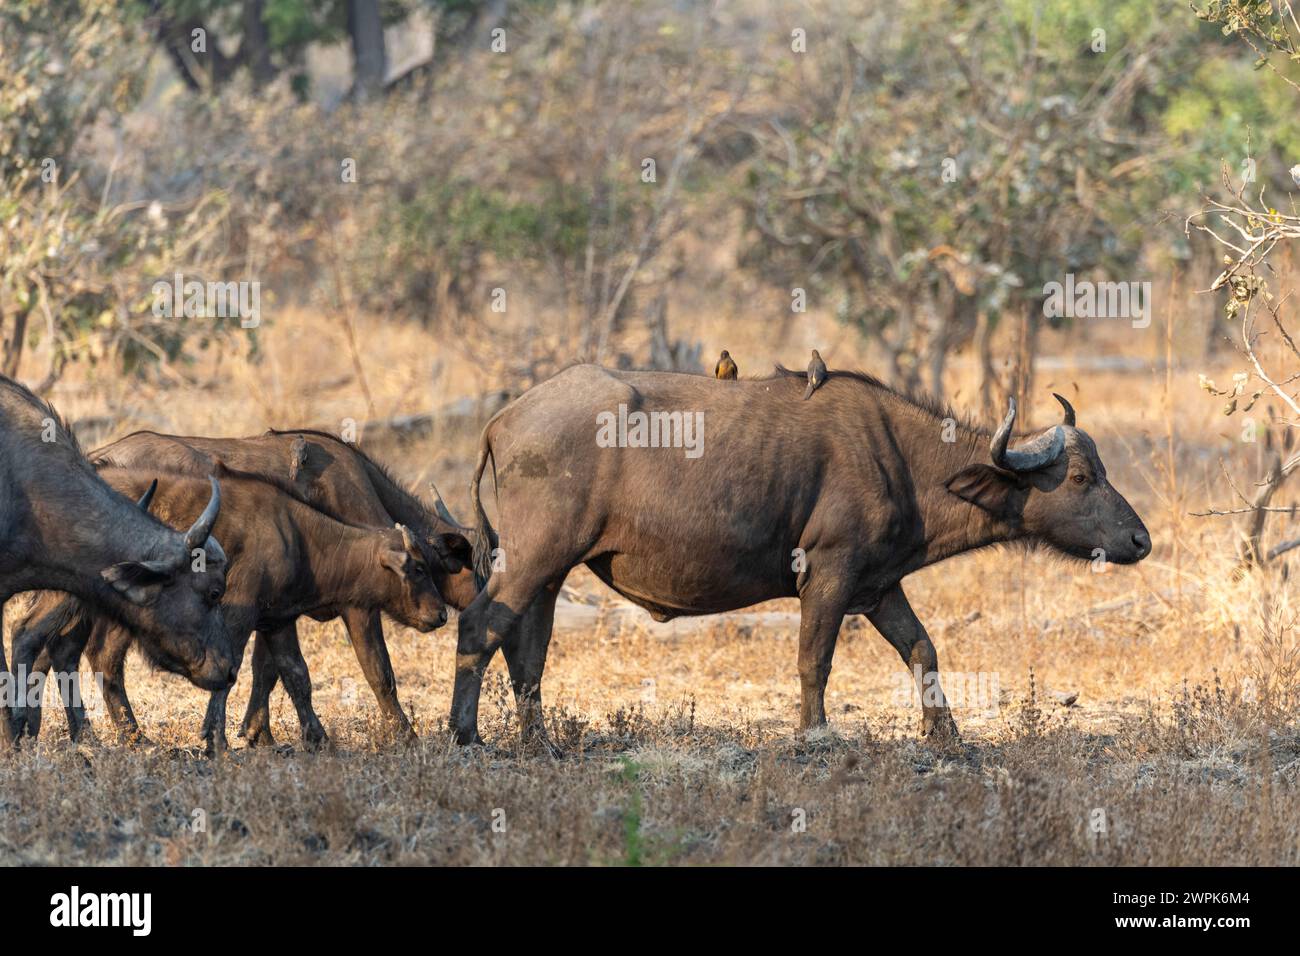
x: 816, y: 374
x: 297, y: 458
x: 725, y: 368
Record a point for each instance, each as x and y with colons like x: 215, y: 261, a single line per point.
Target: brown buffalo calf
x: 343, y: 481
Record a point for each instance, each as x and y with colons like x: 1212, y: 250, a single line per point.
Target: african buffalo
x: 343, y: 481
x: 62, y: 527
x: 286, y: 559
x: 728, y: 493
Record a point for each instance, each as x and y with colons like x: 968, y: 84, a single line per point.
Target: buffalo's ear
x: 455, y: 551
x: 394, y: 560
x: 986, y: 487
x: 140, y: 582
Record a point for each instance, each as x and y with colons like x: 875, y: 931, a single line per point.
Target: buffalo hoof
x: 131, y: 738
x: 399, y: 733
x: 469, y: 738
x: 817, y: 739
x: 258, y: 734
x: 18, y: 729
x: 540, y: 745
x: 940, y: 729
x: 405, y: 740
x: 315, y: 740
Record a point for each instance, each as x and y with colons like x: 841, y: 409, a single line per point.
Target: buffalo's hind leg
x: 8, y: 691
x: 34, y: 640
x: 898, y: 624
x: 490, y: 621
x: 525, y: 654
x: 821, y: 612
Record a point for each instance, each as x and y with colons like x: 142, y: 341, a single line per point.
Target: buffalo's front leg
x: 213, y: 730
x: 898, y: 624
x: 297, y: 681
x: 367, y: 635
x: 821, y: 611
x: 256, y: 728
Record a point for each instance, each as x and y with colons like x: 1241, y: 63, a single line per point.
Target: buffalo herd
x: 685, y: 494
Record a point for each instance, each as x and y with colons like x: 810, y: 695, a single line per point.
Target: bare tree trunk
x: 13, y: 344
x: 200, y: 71
x: 256, y: 44
x: 990, y: 386
x: 369, y: 57
x: 937, y: 360
x: 1022, y: 386
x: 1252, y: 550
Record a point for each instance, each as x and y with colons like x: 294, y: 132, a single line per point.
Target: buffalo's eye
x: 1080, y: 479
x: 215, y: 592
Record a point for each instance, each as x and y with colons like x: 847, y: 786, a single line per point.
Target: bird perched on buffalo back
x: 725, y: 368
x: 816, y: 374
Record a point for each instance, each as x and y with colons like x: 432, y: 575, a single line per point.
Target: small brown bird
x: 297, y: 457
x: 725, y: 368
x: 816, y: 374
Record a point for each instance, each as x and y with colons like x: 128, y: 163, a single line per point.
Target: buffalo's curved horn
x: 1031, y: 455
x: 147, y: 497
x: 213, y: 547
x: 440, y: 506
x: 1069, y: 410
x: 408, y: 540
x: 202, y: 528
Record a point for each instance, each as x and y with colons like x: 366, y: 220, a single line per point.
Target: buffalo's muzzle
x: 1141, y: 544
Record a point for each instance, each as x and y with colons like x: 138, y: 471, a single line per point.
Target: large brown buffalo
x: 689, y: 495
x: 62, y: 527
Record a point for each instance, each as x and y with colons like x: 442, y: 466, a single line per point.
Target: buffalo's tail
x: 485, y: 538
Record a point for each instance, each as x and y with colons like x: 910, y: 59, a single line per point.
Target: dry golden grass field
x: 1144, y: 715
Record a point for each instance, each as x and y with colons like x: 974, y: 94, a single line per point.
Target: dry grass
x: 1181, y: 746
